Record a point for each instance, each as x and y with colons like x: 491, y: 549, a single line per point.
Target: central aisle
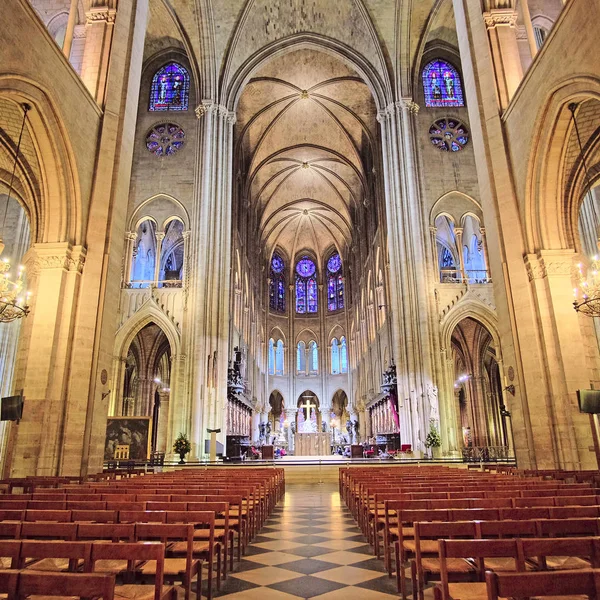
x: 310, y: 548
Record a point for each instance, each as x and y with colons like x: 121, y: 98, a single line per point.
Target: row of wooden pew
x: 189, y: 518
x: 467, y: 530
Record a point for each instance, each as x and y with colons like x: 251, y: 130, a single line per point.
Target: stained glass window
x: 335, y: 283
x: 277, y: 285
x: 447, y: 260
x: 165, y: 139
x: 442, y: 85
x: 279, y: 358
x: 306, y: 286
x: 301, y: 358
x: 170, y: 88
x: 271, y: 358
x: 449, y: 135
x: 335, y: 357
x: 343, y: 355
x: 313, y: 354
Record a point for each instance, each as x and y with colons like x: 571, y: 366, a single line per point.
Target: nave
x: 310, y: 547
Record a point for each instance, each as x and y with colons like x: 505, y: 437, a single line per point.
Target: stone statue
x: 268, y: 432
x: 261, y: 431
x: 356, y: 431
x: 434, y: 408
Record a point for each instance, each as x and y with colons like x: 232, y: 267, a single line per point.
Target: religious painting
x: 135, y: 432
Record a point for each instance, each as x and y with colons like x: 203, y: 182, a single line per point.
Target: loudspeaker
x: 11, y: 408
x: 589, y: 401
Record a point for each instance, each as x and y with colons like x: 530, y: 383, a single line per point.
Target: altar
x: 312, y: 444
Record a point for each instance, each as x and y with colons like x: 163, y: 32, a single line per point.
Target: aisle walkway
x: 309, y: 548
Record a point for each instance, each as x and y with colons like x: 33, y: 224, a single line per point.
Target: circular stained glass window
x: 305, y: 267
x: 449, y: 135
x: 165, y: 139
x: 277, y: 264
x: 334, y: 264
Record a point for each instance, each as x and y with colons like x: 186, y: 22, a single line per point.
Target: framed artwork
x: 136, y: 432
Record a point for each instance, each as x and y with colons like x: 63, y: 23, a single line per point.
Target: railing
x: 486, y: 454
x: 166, y: 283
x: 471, y: 276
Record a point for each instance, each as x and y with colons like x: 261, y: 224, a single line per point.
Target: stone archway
x: 308, y: 416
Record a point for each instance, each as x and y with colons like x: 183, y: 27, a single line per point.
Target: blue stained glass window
x: 305, y: 267
x: 170, y: 88
x: 271, y: 358
x: 442, y: 85
x: 301, y: 357
x: 335, y: 283
x: 300, y: 296
x: 312, y: 295
x: 343, y: 355
x: 335, y: 357
x: 277, y: 285
x: 313, y: 356
x: 447, y: 260
x: 306, y: 286
x: 279, y: 358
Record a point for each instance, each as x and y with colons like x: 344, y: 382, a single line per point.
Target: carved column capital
x: 409, y: 105
x: 500, y: 17
x: 54, y: 256
x: 209, y: 107
x: 100, y: 14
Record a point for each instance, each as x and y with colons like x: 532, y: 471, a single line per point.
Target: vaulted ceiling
x: 306, y: 129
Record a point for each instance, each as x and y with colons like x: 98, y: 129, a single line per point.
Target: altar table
x: 312, y: 444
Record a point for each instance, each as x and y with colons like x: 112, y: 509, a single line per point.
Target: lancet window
x: 335, y: 283
x: 306, y: 286
x: 442, y: 85
x: 170, y: 88
x: 277, y: 284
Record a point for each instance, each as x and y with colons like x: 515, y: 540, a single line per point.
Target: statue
x: 356, y: 426
x: 261, y: 431
x: 434, y: 408
x: 268, y: 432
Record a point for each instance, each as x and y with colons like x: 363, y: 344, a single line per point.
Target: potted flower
x: 182, y: 446
x: 433, y: 439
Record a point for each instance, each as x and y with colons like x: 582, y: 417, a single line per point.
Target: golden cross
x: 307, y: 406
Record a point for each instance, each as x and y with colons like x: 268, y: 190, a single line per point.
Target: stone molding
x: 55, y: 256
x: 79, y: 32
x: 100, y: 14
x: 406, y: 104
x: 208, y: 107
x: 548, y: 264
x: 500, y: 17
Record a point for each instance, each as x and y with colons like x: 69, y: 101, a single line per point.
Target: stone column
x: 290, y: 415
x: 501, y: 26
x: 160, y: 236
x: 130, y: 238
x: 46, y: 349
x: 100, y: 24
x: 412, y: 304
x: 526, y: 14
x: 458, y: 231
x: 163, y: 422
x: 68, y: 41
x: 211, y: 257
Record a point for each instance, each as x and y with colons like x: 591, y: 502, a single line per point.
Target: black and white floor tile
x: 309, y: 548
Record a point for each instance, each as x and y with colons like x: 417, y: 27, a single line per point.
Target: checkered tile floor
x: 309, y: 548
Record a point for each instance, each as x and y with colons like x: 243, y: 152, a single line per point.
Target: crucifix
x: 307, y: 406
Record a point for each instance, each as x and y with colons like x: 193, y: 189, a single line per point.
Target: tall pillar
x: 100, y: 24
x: 130, y: 238
x: 458, y: 231
x: 54, y: 278
x: 412, y: 306
x: 501, y: 27
x: 208, y: 342
x: 163, y: 422
x: 290, y: 415
x: 72, y: 19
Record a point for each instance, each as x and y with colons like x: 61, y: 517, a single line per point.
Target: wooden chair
x: 182, y: 569
x: 67, y: 585
x: 567, y: 584
x: 95, y: 516
x: 134, y: 554
x: 45, y: 555
x: 236, y: 524
x: 426, y: 565
x: 114, y: 532
x: 569, y: 527
x: 58, y: 516
x: 556, y: 554
x: 8, y: 584
x: 142, y: 516
x: 48, y: 531
x: 478, y: 553
x: 10, y: 551
x: 205, y: 549
x: 223, y: 535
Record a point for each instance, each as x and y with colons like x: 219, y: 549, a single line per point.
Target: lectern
x: 213, y: 443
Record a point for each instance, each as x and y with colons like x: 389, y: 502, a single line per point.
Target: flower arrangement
x: 182, y: 446
x: 433, y: 439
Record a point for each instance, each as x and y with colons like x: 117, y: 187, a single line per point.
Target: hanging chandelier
x: 13, y: 298
x: 587, y: 294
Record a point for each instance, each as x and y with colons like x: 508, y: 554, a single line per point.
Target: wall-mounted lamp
x: 510, y: 389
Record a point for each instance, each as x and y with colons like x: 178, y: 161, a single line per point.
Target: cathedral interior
x: 251, y: 216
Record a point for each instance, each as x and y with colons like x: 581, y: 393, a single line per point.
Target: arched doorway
x: 146, y: 386
x: 308, y: 417
x: 478, y: 387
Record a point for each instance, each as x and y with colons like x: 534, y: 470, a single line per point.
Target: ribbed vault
x: 305, y: 132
